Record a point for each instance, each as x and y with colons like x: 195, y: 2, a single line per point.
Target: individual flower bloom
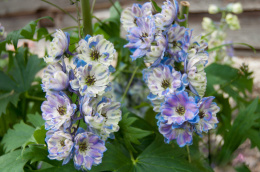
x: 91, y: 79
x: 163, y: 80
x: 157, y: 103
x: 207, y: 24
x: 192, y: 45
x: 195, y: 74
x: 129, y: 15
x: 96, y: 49
x: 89, y: 150
x: 167, y: 16
x: 57, y: 110
x: 58, y: 46
x: 174, y: 36
x: 54, y: 78
x: 213, y: 9
x: 179, y: 108
x: 105, y: 117
x: 232, y: 22
x: 235, y: 8
x: 59, y: 144
x: 156, y: 52
x: 182, y: 134
x: 141, y: 37
x: 207, y: 114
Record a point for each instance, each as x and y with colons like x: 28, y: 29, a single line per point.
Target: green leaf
x: 36, y: 120
x: 242, y: 168
x: 18, y: 136
x: 5, y: 99
x: 39, y: 135
x: 113, y: 10
x: 13, y: 37
x: 156, y: 7
x: 131, y: 134
x: 10, y: 163
x: 254, y: 136
x: 223, y: 45
x: 238, y: 132
x: 157, y: 157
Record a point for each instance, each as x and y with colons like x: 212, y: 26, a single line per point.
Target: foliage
x: 137, y: 145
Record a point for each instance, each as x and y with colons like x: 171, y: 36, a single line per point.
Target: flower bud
x: 207, y: 24
x: 213, y: 9
x: 237, y: 8
x: 232, y: 22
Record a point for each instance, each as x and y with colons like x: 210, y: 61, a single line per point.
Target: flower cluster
x: 79, y: 92
x: 215, y: 32
x: 176, y: 77
x: 2, y: 33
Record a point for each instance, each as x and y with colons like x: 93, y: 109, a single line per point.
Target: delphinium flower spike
x: 176, y: 77
x: 79, y: 93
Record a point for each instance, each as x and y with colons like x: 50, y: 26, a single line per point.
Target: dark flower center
x: 201, y: 114
x: 62, y: 143
x: 90, y: 80
x: 62, y: 110
x: 83, y: 146
x: 165, y: 84
x: 144, y: 35
x: 180, y: 110
x: 94, y: 55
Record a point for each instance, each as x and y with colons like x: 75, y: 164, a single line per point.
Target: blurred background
x: 14, y: 14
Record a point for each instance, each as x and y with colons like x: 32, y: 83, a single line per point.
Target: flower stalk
x: 184, y: 13
x: 86, y: 17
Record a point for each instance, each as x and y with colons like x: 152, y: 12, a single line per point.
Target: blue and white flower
x: 57, y: 111
x: 91, y: 79
x: 103, y: 115
x: 129, y: 15
x: 207, y: 114
x: 58, y: 47
x: 141, y: 37
x: 179, y: 108
x: 89, y: 150
x: 156, y: 53
x: 174, y: 38
x: 167, y: 16
x: 59, y: 144
x: 163, y: 80
x: 181, y: 133
x: 96, y: 49
x: 54, y: 78
x: 195, y: 74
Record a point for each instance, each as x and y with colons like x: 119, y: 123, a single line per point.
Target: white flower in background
x: 235, y: 8
x: 58, y: 46
x: 208, y: 24
x: 91, y: 79
x: 96, y: 49
x: 213, y: 9
x: 232, y: 22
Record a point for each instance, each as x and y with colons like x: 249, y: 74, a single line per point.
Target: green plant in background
x: 216, y: 32
x: 137, y: 146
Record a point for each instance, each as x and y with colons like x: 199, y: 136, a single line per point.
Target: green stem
x: 209, y: 148
x: 92, y: 8
x: 129, y: 83
x: 87, y: 17
x: 188, y: 152
x: 184, y: 13
x: 60, y: 9
x: 78, y: 19
x: 132, y: 157
x: 27, y: 96
x: 115, y: 7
